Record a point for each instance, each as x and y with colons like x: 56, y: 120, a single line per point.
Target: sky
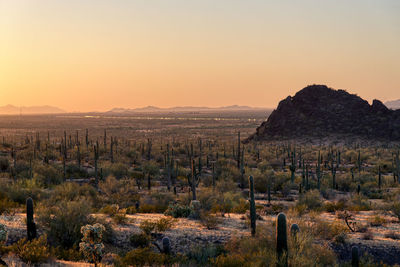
x: 95, y: 55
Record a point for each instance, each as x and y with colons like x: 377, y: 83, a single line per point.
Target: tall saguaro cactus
x: 292, y: 166
x: 379, y: 177
x: 252, y: 207
x: 318, y: 170
x: 30, y: 224
x: 194, y: 180
x: 96, y: 158
x: 281, y: 240
x: 238, y: 152
x: 355, y: 259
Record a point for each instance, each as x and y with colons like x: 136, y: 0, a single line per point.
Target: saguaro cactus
x: 252, y: 207
x: 30, y: 224
x: 292, y: 166
x: 379, y: 177
x: 193, y: 180
x: 166, y: 245
x: 318, y: 170
x: 355, y: 259
x: 281, y: 240
x: 294, y: 229
x: 238, y: 152
x: 96, y: 158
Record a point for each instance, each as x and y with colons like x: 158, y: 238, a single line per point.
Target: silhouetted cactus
x: 238, y: 151
x: 318, y: 170
x: 281, y: 240
x: 96, y: 158
x: 292, y: 166
x: 166, y: 245
x: 379, y: 177
x: 252, y: 207
x: 333, y: 170
x: 355, y: 259
x: 105, y: 140
x: 193, y: 180
x: 294, y: 229
x: 30, y: 224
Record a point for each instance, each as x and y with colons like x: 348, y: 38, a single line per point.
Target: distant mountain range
x: 150, y: 109
x: 394, y: 104
x: 13, y: 110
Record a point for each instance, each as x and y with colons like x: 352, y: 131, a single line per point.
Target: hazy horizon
x: 99, y: 55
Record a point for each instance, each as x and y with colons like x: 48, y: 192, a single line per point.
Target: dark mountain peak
x: 320, y: 111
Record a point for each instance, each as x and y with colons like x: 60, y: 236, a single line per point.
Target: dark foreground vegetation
x: 81, y: 182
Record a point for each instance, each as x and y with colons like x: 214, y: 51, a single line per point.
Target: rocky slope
x: 319, y: 111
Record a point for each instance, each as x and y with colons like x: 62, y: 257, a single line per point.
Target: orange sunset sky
x: 96, y: 55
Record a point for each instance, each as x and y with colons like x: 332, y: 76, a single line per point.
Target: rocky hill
x: 319, y: 111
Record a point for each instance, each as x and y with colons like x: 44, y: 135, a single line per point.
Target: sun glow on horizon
x: 97, y: 55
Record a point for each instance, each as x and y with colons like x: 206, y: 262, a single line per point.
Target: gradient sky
x: 95, y: 55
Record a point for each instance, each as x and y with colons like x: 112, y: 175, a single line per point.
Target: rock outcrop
x: 319, y: 111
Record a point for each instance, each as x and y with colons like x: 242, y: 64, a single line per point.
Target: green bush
x: 47, y: 175
x: 311, y: 200
x: 63, y: 221
x: 178, y: 211
x: 32, y: 252
x: 144, y: 257
x: 140, y: 240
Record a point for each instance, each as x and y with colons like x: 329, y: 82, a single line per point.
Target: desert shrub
x: 7, y: 206
x: 201, y: 256
x: 47, y: 175
x: 118, y: 215
x: 178, y: 211
x: 234, y: 260
x: 377, y: 221
x: 18, y: 191
x: 147, y: 208
x: 32, y: 252
x: 341, y: 238
x: 395, y: 209
x: 70, y: 254
x: 392, y: 235
x: 140, y: 240
x: 311, y: 200
x: 158, y: 226
x: 3, y: 234
x: 147, y: 226
x: 144, y: 257
x: 241, y: 207
x: 160, y: 201
x: 117, y: 170
x: 359, y: 203
x: 73, y: 192
x: 110, y: 209
x: 333, y: 206
x: 368, y: 235
x: 209, y: 221
x: 327, y: 231
x: 4, y: 164
x: 131, y: 210
x: 63, y: 221
x: 121, y: 192
x: 261, y: 250
x: 164, y: 224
